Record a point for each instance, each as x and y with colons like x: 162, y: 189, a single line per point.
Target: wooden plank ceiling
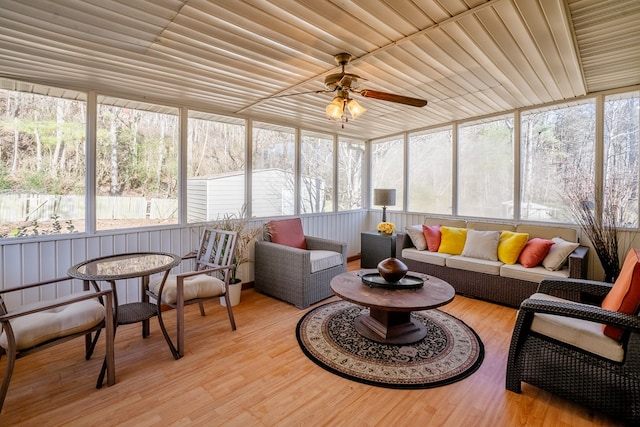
x: 468, y: 58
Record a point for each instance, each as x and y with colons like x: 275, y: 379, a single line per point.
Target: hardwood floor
x: 258, y: 376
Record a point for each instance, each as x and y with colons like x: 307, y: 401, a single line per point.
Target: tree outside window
x: 485, y: 168
x: 557, y: 150
x: 215, y: 166
x: 316, y: 173
x: 42, y: 161
x: 136, y: 165
x: 431, y: 172
x: 350, y: 166
x: 387, y: 168
x: 273, y: 173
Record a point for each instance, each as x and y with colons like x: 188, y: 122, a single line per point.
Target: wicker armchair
x: 582, y: 365
x: 287, y: 272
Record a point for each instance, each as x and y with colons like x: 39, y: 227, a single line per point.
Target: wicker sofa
x: 492, y: 281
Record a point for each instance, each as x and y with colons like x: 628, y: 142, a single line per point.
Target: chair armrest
x: 403, y: 241
x: 591, y: 287
x: 33, y: 285
x: 578, y: 262
x: 582, y: 311
x: 20, y: 313
x: 205, y: 271
x: 317, y: 243
x: 282, y: 250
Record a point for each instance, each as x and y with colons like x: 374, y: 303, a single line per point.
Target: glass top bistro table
x: 128, y: 266
x: 389, y: 319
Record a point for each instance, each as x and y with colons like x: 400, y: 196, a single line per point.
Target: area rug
x: 450, y: 352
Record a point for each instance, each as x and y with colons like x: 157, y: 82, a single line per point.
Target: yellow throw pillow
x: 453, y: 239
x: 510, y: 246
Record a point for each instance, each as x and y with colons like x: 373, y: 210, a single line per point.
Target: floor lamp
x: 384, y: 197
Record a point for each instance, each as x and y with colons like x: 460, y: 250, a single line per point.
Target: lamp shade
x: 335, y: 109
x: 355, y: 109
x: 384, y: 196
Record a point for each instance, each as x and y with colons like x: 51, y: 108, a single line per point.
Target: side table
x: 374, y: 247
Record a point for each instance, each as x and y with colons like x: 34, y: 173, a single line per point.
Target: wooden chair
x: 40, y: 325
x: 581, y: 351
x: 209, y: 280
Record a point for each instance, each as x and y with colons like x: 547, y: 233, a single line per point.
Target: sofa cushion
x: 474, y: 264
x: 577, y: 332
x: 511, y: 244
x: 558, y: 253
x: 287, y: 232
x: 37, y: 328
x: 548, y: 232
x: 321, y: 260
x: 624, y: 296
x: 481, y: 244
x: 460, y: 223
x: 417, y: 236
x: 433, y: 236
x: 534, y: 252
x: 428, y: 257
x: 452, y: 241
x: 531, y: 274
x: 490, y: 226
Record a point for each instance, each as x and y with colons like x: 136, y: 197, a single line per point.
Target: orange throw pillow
x: 624, y: 296
x: 534, y: 252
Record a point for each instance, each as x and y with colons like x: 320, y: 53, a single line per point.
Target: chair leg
x: 230, y: 312
x: 11, y: 361
x: 201, y: 304
x: 90, y: 344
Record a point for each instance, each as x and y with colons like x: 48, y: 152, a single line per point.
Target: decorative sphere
x: 392, y: 269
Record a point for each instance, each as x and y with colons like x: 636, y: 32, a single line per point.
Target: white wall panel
x: 28, y: 261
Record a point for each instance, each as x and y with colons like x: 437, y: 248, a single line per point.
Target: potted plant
x: 238, y: 222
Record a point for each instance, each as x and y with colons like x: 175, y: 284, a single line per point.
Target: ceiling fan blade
x: 415, y: 102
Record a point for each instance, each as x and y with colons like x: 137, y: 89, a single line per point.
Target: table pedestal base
x: 390, y: 327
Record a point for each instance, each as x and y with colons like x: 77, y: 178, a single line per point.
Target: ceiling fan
x: 345, y: 84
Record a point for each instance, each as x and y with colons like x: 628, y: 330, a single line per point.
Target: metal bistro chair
x: 36, y: 326
x: 209, y: 280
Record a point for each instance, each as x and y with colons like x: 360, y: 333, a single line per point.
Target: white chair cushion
x: 577, y: 332
x: 37, y: 328
x: 435, y: 258
x: 198, y: 286
x: 321, y: 260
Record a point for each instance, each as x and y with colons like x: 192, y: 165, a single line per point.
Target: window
x: 350, y: 166
x: 431, y: 172
x: 557, y: 151
x: 387, y: 167
x: 273, y: 174
x: 485, y: 168
x: 316, y: 173
x: 621, y: 152
x: 42, y: 160
x: 136, y: 164
x: 215, y: 166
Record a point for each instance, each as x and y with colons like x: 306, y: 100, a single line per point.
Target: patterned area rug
x: 450, y: 352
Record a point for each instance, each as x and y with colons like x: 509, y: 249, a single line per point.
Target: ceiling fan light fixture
x: 355, y: 109
x: 335, y: 110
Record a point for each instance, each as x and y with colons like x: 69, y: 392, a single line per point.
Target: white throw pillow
x: 558, y: 254
x: 417, y: 236
x: 482, y: 245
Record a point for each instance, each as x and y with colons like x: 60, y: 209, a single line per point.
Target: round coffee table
x: 389, y: 319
